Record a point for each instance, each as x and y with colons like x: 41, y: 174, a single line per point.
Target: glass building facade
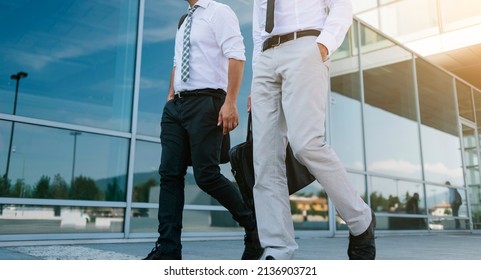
x: 82, y: 88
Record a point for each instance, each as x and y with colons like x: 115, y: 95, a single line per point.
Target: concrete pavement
x: 444, y: 246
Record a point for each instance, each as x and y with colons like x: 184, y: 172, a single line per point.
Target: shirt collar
x: 203, y: 3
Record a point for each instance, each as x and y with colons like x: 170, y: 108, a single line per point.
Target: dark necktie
x: 270, y: 16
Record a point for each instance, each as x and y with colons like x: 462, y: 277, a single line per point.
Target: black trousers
x: 190, y: 131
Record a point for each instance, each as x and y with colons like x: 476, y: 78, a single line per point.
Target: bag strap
x: 249, y: 127
x: 182, y: 18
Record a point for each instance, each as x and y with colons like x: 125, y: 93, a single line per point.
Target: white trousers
x: 289, y: 95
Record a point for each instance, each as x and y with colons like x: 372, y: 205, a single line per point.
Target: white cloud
x: 440, y: 168
x: 395, y: 165
x: 406, y: 167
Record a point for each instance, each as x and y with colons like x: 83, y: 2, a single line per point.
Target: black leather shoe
x: 363, y: 247
x: 156, y: 254
x: 270, y: 258
x: 253, y: 249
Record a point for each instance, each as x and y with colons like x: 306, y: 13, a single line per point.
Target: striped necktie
x: 186, y: 47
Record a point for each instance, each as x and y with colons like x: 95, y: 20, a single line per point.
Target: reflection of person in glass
x: 455, y: 200
x: 200, y: 108
x: 292, y: 44
x: 412, y: 205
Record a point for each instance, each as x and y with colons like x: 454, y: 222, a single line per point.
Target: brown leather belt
x: 275, y: 41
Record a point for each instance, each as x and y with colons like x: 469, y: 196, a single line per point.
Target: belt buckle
x: 278, y: 42
x: 178, y: 95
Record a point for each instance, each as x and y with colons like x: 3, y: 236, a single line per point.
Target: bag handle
x: 181, y: 20
x: 249, y: 127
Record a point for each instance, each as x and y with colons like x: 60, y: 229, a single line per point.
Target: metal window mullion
x: 65, y: 126
x: 60, y: 202
x: 476, y: 121
x: 363, y: 118
x: 418, y: 120
x: 460, y: 121
x: 135, y: 111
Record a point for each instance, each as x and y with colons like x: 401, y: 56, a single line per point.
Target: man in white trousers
x: 293, y: 40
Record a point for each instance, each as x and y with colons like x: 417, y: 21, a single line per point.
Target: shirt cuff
x: 328, y: 41
x: 238, y: 55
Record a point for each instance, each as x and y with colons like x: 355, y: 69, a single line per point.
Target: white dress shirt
x: 332, y: 17
x: 215, y: 38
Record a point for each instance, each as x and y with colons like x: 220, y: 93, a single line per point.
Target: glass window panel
x: 439, y: 125
x: 146, y: 176
x: 444, y: 207
x: 395, y: 196
x: 310, y: 205
x: 310, y: 208
x: 79, y: 56
x: 5, y: 129
x: 439, y: 224
x: 24, y: 219
x: 63, y: 164
x: 349, y: 47
x: 393, y: 19
x: 399, y: 198
x: 359, y: 183
x: 472, y: 175
x: 440, y: 201
x: 392, y: 137
x: 460, y: 13
x: 465, y: 101
x: 372, y: 41
x: 346, y: 128
x: 145, y: 220
x: 345, y: 112
x: 441, y: 154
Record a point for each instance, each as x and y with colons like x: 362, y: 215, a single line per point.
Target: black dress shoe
x: 156, y: 254
x: 253, y: 249
x: 270, y: 258
x: 363, y: 247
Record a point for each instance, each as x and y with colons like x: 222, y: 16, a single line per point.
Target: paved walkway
x: 407, y: 247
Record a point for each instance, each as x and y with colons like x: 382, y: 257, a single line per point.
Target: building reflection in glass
x: 388, y: 109
x: 22, y: 219
x: 46, y: 165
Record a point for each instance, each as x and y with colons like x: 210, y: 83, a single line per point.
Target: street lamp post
x: 74, y: 134
x: 14, y: 150
x: 17, y: 77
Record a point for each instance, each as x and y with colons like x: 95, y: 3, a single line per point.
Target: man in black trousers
x: 201, y: 108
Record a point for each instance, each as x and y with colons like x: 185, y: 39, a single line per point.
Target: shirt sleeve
x: 336, y: 25
x: 227, y: 32
x: 256, y: 33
